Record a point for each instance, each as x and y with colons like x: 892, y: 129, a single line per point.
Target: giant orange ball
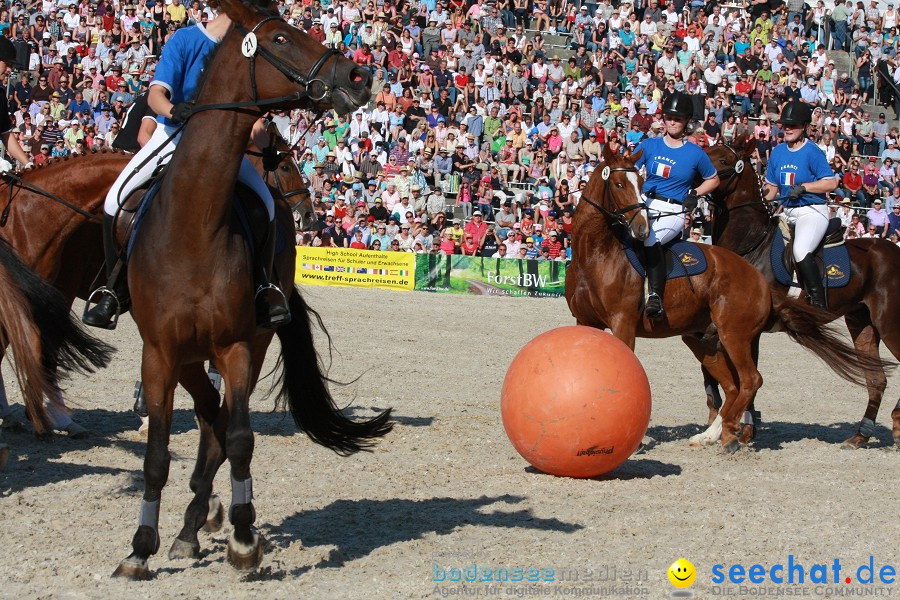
x: 575, y: 402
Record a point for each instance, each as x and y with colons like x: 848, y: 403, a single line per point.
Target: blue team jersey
x: 181, y: 64
x: 671, y: 171
x: 788, y: 168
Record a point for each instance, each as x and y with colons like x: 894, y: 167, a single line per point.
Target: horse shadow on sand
x: 359, y: 527
x: 775, y: 435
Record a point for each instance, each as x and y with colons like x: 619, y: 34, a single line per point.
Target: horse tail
x: 304, y: 388
x: 809, y: 327
x: 65, y: 344
x: 35, y: 321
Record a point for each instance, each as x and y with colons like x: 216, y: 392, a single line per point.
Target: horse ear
x: 749, y: 144
x: 633, y: 158
x: 607, y: 153
x: 238, y: 12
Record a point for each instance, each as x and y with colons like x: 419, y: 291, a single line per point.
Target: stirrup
x: 284, y: 319
x: 653, y: 312
x: 102, y: 291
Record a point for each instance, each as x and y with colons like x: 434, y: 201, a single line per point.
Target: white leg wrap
x: 149, y: 514
x: 241, y: 491
x: 711, y: 435
x: 56, y: 410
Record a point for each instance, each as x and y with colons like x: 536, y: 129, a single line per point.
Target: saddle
x: 248, y: 209
x: 683, y: 259
x: 831, y: 255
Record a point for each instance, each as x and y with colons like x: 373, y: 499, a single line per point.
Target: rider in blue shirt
x: 177, y: 76
x: 671, y: 164
x: 799, y: 172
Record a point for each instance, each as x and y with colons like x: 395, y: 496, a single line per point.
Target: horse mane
x: 56, y: 160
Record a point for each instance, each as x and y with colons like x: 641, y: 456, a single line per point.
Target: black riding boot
x: 808, y: 273
x: 271, y: 305
x: 656, y: 281
x: 114, y: 296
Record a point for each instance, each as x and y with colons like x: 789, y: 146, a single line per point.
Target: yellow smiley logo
x: 682, y: 573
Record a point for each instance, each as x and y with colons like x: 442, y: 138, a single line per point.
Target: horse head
x: 739, y: 188
x: 615, y: 190
x: 286, y: 63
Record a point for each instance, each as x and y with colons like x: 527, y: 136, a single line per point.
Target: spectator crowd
x: 487, y: 118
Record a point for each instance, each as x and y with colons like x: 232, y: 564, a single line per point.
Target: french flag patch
x: 788, y: 177
x: 662, y: 170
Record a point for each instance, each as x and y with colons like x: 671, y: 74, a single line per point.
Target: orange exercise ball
x: 575, y: 402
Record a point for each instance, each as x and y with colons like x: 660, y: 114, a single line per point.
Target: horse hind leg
x: 715, y: 364
x: 866, y: 340
x: 740, y: 356
x: 205, y: 509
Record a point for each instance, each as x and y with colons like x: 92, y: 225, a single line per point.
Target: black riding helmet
x: 796, y: 113
x: 679, y: 105
x: 7, y: 50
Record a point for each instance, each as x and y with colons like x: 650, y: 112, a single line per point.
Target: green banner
x: 458, y: 274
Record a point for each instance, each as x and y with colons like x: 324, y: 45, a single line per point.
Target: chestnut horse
x: 191, y: 283
x: 746, y: 224
x: 604, y: 290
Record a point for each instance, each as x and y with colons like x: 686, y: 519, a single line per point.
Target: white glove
x: 28, y: 165
x: 5, y: 166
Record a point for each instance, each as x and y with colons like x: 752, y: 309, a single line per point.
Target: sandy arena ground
x: 446, y: 488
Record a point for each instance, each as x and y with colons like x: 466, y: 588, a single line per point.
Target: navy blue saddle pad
x: 682, y: 258
x: 281, y: 235
x: 836, y: 260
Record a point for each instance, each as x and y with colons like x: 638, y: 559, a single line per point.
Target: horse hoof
x: 133, y: 569
x: 242, y: 557
x: 4, y: 456
x: 732, y: 446
x: 854, y: 442
x: 182, y: 549
x: 216, y: 516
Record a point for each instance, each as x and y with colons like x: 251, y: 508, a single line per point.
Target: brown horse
x: 744, y: 223
x: 604, y: 290
x: 191, y: 283
x: 53, y: 213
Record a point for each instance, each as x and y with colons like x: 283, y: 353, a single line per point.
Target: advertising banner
x: 356, y: 268
x: 459, y: 274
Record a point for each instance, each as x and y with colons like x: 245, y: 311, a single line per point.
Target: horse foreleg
x: 714, y: 362
x: 205, y: 510
x: 244, y: 545
x: 866, y: 340
x: 625, y: 329
x: 160, y: 380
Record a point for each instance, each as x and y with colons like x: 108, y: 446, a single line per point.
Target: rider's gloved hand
x: 5, y: 166
x: 181, y: 112
x: 797, y: 191
x: 690, y: 202
x: 270, y: 158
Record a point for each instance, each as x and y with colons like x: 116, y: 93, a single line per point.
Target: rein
x: 18, y: 181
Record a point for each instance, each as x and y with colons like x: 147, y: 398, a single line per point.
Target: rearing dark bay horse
x: 191, y: 283
x: 604, y: 290
x: 744, y: 223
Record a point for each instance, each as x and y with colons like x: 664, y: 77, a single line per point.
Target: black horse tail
x: 304, y: 389
x: 35, y: 320
x: 808, y: 326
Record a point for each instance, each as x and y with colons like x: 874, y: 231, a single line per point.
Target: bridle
x: 731, y: 175
x: 250, y: 48
x: 619, y: 215
x: 274, y: 136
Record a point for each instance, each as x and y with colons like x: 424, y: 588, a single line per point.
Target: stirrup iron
x: 94, y: 299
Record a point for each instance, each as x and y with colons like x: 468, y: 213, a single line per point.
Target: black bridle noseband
x: 616, y: 215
